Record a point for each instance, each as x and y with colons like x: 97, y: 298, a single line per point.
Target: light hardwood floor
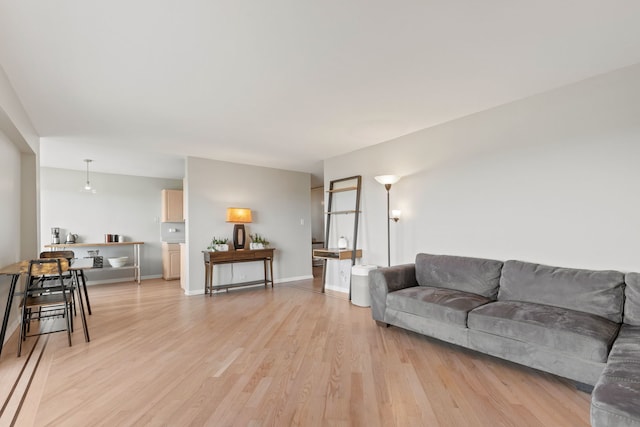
x: 278, y: 357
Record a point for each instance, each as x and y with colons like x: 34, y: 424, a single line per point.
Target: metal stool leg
x: 86, y: 294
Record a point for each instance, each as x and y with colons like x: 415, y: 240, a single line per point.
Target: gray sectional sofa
x: 579, y: 324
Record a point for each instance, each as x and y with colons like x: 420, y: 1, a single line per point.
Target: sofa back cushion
x: 596, y: 292
x: 475, y: 275
x: 632, y: 299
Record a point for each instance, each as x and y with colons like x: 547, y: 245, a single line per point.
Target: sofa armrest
x: 389, y: 279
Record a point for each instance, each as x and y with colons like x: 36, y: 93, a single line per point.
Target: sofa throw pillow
x: 475, y: 275
x: 632, y: 299
x: 596, y: 292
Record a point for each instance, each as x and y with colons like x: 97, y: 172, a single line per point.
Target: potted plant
x: 258, y: 242
x: 218, y: 245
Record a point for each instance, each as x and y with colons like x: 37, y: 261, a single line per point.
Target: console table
x: 136, y: 253
x: 230, y: 257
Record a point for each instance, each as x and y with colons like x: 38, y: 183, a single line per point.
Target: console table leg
x: 206, y: 278
x: 271, y: 270
x: 210, y: 279
x: 266, y: 283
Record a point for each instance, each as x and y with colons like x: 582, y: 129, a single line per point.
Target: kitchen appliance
x: 71, y: 238
x: 55, y: 235
x: 98, y: 260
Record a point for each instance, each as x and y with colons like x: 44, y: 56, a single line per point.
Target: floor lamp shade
x: 239, y: 216
x: 387, y: 179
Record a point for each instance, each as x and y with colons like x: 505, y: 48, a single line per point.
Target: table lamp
x: 240, y: 217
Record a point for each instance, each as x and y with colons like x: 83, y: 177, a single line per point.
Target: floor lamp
x: 388, y: 181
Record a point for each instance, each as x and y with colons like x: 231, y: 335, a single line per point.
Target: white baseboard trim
x: 120, y: 280
x: 276, y: 281
x: 292, y: 279
x: 330, y: 287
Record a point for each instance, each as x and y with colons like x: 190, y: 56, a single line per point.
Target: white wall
x: 10, y: 206
x: 551, y: 179
x: 19, y: 148
x: 123, y: 204
x: 279, y: 201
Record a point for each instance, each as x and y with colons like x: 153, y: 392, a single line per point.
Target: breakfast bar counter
x: 136, y: 253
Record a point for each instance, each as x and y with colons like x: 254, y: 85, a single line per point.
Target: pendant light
x: 87, y: 186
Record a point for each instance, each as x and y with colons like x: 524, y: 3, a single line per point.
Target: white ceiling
x: 137, y: 85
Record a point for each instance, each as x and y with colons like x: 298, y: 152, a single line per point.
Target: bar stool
x: 69, y: 255
x: 40, y: 304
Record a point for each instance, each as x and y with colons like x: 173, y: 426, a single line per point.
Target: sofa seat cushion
x: 632, y: 299
x: 582, y: 335
x: 616, y: 397
x: 615, y: 404
x: 624, y: 358
x: 597, y: 292
x: 443, y: 305
x: 476, y: 275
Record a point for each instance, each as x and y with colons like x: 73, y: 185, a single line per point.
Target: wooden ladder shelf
x: 328, y: 254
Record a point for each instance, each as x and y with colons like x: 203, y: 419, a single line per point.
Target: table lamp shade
x: 239, y: 215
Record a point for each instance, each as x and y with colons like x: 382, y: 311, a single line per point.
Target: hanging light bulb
x: 87, y: 186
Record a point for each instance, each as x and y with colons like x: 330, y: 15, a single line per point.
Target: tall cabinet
x: 172, y: 211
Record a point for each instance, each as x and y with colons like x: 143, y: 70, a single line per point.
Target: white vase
x: 343, y: 242
x: 221, y: 248
x: 253, y: 245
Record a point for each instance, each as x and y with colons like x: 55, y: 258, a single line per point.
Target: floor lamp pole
x: 388, y: 187
x: 387, y: 180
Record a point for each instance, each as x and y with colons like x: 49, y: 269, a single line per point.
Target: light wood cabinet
x: 171, y: 261
x: 172, y: 206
